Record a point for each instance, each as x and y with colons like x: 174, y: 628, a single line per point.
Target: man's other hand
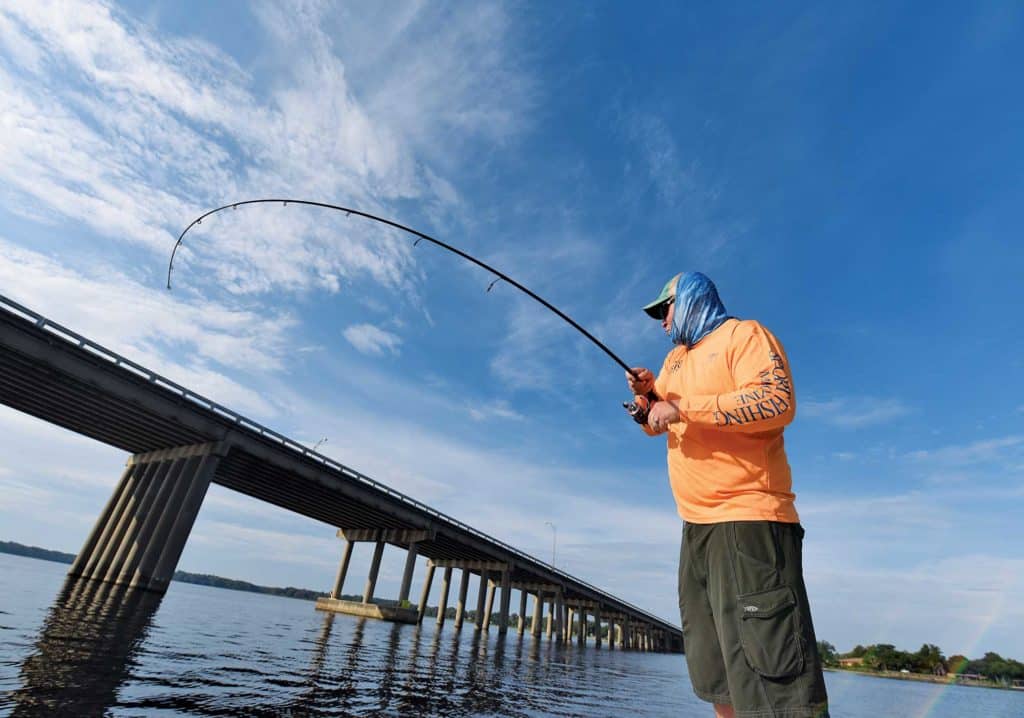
x: 661, y: 415
x: 642, y: 382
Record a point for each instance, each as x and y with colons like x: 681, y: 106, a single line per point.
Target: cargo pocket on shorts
x: 770, y: 632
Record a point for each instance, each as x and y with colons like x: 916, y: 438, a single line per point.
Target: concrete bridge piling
x: 141, y: 533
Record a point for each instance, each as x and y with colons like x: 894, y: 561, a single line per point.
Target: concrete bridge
x: 180, y: 442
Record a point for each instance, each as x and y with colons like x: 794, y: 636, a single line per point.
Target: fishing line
x: 420, y: 237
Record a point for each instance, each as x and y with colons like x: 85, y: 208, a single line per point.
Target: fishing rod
x: 349, y: 211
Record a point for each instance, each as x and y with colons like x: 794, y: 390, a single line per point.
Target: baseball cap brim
x: 667, y: 292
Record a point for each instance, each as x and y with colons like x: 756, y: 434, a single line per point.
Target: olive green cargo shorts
x: 747, y: 627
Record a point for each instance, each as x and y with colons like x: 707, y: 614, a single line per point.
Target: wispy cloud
x: 173, y: 125
x: 855, y: 412
x: 660, y: 156
x: 497, y: 409
x: 685, y: 191
x: 976, y: 452
x: 372, y: 340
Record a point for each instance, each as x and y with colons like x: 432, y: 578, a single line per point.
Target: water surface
x: 202, y: 651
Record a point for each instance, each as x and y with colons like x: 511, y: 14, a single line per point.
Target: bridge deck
x: 61, y: 377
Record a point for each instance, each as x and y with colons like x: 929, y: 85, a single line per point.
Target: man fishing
x: 724, y: 396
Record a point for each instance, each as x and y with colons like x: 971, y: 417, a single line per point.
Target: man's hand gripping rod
x: 642, y: 401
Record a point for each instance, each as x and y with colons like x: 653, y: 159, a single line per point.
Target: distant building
x: 970, y: 677
x: 850, y: 662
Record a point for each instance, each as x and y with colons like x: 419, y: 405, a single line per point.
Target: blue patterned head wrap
x: 698, y: 310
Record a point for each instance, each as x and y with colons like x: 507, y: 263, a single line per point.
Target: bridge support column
x: 410, y: 566
x: 481, y: 598
x: 442, y: 605
x: 142, y: 531
x: 522, y: 612
x: 538, y: 614
x: 371, y: 578
x: 506, y: 599
x: 581, y: 632
x: 405, y: 538
x: 339, y: 581
x: 429, y: 579
x: 597, y: 626
x: 460, y: 606
x: 556, y: 616
x: 550, y: 618
x: 489, y: 607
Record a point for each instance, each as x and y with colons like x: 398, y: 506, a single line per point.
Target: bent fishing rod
x: 349, y: 211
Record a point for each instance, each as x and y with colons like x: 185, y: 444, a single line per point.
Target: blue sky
x: 850, y: 176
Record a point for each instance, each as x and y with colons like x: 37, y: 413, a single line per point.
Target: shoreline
x: 948, y: 680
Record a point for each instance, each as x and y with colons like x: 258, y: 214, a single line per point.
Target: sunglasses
x: 662, y: 309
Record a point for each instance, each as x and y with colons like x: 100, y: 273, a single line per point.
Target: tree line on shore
x: 929, y: 659
x: 201, y: 579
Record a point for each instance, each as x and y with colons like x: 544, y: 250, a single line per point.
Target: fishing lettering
x: 772, y: 398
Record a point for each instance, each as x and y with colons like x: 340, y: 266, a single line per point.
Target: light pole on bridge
x: 554, y: 541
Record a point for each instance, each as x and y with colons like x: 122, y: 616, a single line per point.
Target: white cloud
x: 976, y: 452
x: 271, y: 544
x: 497, y: 409
x: 854, y: 412
x: 172, y: 125
x: 429, y: 70
x: 150, y: 326
x: 964, y: 604
x: 537, y: 348
x: 372, y: 340
x: 909, y: 568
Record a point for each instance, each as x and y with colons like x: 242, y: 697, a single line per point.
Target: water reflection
x: 408, y: 670
x: 85, y: 649
x: 88, y: 659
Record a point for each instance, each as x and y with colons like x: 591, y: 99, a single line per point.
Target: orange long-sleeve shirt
x: 726, y: 457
